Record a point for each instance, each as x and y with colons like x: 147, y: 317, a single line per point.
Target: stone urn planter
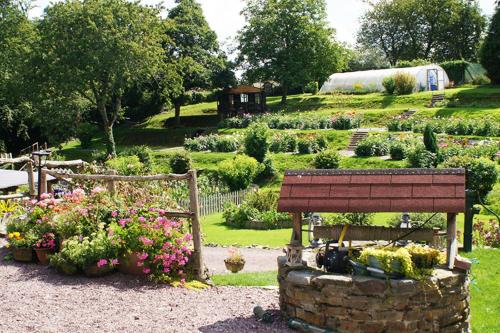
x: 128, y: 265
x: 95, y: 271
x: 234, y: 267
x: 43, y: 255
x: 22, y: 254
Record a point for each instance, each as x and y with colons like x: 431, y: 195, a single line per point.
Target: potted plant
x: 44, y: 247
x: 395, y: 262
x: 235, y: 262
x: 21, y: 245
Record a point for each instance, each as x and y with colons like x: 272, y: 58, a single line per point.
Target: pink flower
x: 98, y: 189
x: 102, y: 262
x: 146, y: 241
x: 142, y: 219
x: 146, y: 270
x: 114, y: 213
x: 44, y: 196
x: 114, y: 262
x: 143, y: 256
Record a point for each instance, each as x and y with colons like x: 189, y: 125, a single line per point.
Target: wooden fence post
x: 110, y: 184
x: 43, y: 181
x: 196, y: 227
x: 451, y: 240
x: 31, y: 179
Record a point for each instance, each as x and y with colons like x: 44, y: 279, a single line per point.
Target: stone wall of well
x: 346, y: 303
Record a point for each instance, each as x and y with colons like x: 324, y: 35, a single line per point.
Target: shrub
x: 215, y: 143
x: 144, y: 153
x: 180, y: 162
x: 372, y: 146
x: 430, y: 139
x: 283, y: 143
x: 350, y: 218
x: 327, y: 159
x: 404, y: 83
x: 312, y: 88
x: 268, y: 169
x: 397, y: 151
x: 418, y: 219
x: 389, y: 84
x: 85, y: 133
x: 257, y: 142
x: 481, y: 172
x: 126, y: 165
x: 311, y: 144
x: 419, y: 157
x: 481, y: 80
x: 400, y: 125
x: 239, y: 172
x: 412, y: 63
x: 486, y: 233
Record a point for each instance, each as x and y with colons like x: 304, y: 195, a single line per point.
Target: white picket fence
x: 215, y: 203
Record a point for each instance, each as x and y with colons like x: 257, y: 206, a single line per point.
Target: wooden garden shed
x: 240, y: 100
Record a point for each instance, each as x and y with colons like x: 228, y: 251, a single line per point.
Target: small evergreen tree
x: 430, y: 139
x: 257, y: 142
x: 490, y: 52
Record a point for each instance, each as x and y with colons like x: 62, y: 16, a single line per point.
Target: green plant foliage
x: 311, y: 88
x: 85, y: 133
x: 239, y: 172
x: 398, y: 150
x: 404, y: 83
x: 419, y: 157
x: 283, y: 142
x: 126, y: 165
x: 257, y: 142
x: 372, y: 146
x: 482, y: 173
x: 412, y: 63
x: 214, y: 143
x: 418, y: 219
x: 328, y: 159
x: 430, y: 139
x: 350, y: 218
x: 389, y: 84
x: 490, y: 51
x: 144, y: 153
x: 181, y: 162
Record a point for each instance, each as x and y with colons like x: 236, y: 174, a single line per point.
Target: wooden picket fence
x: 215, y: 203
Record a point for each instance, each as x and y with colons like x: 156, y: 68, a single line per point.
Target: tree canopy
x: 490, y: 51
x: 288, y: 41
x: 99, y: 48
x: 423, y: 29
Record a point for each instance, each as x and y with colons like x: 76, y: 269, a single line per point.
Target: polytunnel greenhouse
x: 428, y: 78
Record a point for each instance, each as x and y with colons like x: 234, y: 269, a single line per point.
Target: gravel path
x: 256, y: 260
x: 37, y: 299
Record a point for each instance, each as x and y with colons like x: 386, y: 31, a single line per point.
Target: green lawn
x: 257, y: 279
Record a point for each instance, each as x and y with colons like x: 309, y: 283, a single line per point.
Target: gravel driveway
x: 37, y: 299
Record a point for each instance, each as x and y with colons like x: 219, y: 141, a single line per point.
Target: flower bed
x: 95, y: 233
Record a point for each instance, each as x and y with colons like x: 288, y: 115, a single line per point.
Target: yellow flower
x: 7, y: 245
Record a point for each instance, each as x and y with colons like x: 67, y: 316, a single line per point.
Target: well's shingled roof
x: 382, y: 190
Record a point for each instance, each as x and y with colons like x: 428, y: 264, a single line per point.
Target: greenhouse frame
x: 428, y: 78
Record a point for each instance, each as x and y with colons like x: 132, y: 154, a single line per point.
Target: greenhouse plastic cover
x: 429, y: 77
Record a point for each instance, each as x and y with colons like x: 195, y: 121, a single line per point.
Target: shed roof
x: 244, y: 89
x: 381, y: 190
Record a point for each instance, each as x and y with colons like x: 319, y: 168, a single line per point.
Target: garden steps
x: 358, y: 136
x: 409, y: 113
x: 437, y: 98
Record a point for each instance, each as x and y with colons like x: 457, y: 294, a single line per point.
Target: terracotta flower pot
x: 22, y: 254
x: 94, y: 271
x: 234, y: 267
x: 43, y: 256
x: 128, y: 265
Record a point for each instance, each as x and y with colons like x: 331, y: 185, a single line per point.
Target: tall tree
x: 423, y: 29
x: 490, y: 51
x: 17, y: 36
x: 194, y: 47
x: 288, y: 41
x: 97, y: 49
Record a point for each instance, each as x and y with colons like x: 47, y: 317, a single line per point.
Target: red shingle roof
x: 382, y: 190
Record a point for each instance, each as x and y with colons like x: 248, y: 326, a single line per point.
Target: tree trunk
x: 110, y: 140
x: 284, y: 95
x: 177, y: 114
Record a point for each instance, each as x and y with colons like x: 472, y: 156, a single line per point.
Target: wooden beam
x: 194, y: 207
x: 366, y: 233
x: 451, y: 239
x: 297, y: 229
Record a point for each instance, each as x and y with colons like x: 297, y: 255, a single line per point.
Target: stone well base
x: 346, y: 303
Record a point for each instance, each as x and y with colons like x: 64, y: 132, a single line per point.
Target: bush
x: 257, y: 142
x: 412, y: 63
x: 144, y: 153
x: 85, y: 133
x: 481, y: 80
x: 418, y: 219
x: 400, y: 125
x: 180, y: 163
x: 350, y: 218
x: 397, y: 151
x: 268, y: 170
x: 214, y: 143
x: 404, y: 83
x: 239, y: 172
x: 283, y: 143
x: 419, y: 157
x: 372, y: 146
x: 327, y: 159
x: 312, y: 88
x: 430, y: 139
x: 311, y: 144
x: 126, y: 165
x: 481, y: 172
x: 389, y: 84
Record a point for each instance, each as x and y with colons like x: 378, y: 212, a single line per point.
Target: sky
x: 224, y: 15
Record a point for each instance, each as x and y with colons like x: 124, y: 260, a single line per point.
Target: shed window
x: 244, y: 98
x: 257, y: 99
x: 231, y: 100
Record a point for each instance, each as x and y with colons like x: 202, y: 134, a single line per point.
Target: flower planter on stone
x: 234, y: 267
x: 95, y: 271
x: 129, y: 265
x: 43, y: 255
x: 22, y: 254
